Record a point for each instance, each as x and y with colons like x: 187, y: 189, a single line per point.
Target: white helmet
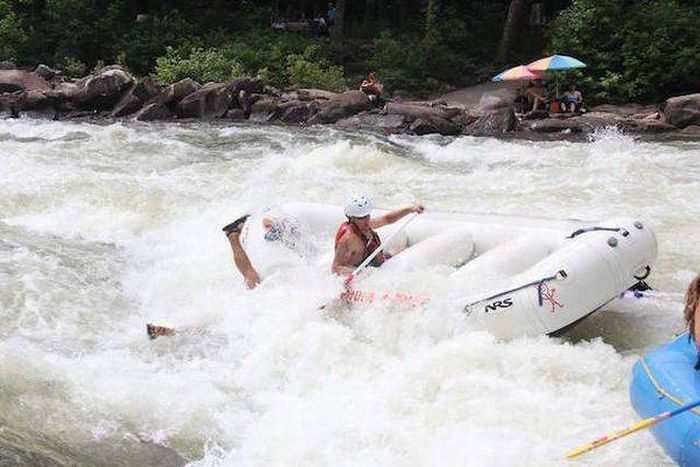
x: 358, y: 206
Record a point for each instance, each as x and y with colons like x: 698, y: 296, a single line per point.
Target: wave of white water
x: 107, y: 227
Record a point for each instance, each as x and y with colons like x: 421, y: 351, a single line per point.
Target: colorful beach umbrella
x: 518, y: 73
x: 556, y: 62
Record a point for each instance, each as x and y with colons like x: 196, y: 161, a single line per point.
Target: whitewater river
x: 104, y: 228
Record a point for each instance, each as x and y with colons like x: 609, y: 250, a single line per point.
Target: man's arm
x: 393, y: 216
x: 344, y: 255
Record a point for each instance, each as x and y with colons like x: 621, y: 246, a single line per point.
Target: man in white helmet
x: 356, y: 238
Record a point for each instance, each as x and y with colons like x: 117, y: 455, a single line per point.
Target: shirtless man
x: 356, y: 238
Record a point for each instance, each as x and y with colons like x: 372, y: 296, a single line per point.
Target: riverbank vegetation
x: 643, y: 51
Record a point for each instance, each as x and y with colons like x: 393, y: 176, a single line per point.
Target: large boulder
x: 172, y: 94
x: 315, y: 94
x: 154, y: 111
x: 493, y: 124
x: 21, y: 80
x: 555, y: 125
x: 386, y: 124
x: 265, y: 109
x: 135, y: 97
x: 102, y: 90
x: 434, y: 125
x: 341, y: 106
x: 295, y: 111
x: 46, y: 72
x: 648, y: 126
x: 211, y: 101
x: 7, y: 65
x: 424, y: 112
x: 682, y: 111
x: 626, y: 110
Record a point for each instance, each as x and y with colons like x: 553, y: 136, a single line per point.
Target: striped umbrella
x: 556, y: 63
x: 518, y: 73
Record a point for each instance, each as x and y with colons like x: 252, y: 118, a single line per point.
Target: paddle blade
x: 612, y: 437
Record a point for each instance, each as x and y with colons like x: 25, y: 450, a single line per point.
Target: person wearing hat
x: 356, y: 238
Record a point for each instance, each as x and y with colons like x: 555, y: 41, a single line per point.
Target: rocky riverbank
x: 113, y: 92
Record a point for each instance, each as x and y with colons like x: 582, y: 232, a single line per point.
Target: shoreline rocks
x: 112, y: 92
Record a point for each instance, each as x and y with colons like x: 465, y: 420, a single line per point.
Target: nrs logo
x: 493, y: 306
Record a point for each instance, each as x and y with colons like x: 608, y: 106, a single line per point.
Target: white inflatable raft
x: 509, y: 275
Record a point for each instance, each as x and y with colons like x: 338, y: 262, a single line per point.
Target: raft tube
x: 509, y: 275
x: 663, y: 380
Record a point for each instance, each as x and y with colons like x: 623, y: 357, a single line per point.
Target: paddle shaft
x: 646, y: 423
x: 380, y: 248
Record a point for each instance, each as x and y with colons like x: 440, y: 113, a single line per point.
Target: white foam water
x: 107, y: 227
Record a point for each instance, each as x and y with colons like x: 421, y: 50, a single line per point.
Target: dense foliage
x: 643, y: 50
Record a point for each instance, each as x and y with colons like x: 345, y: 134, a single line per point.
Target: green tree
x: 645, y: 50
x: 12, y: 33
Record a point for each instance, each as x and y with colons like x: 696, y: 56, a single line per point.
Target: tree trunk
x: 337, y: 31
x: 431, y: 33
x: 516, y: 10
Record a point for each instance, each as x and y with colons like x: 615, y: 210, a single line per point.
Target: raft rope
x: 539, y: 283
x: 662, y: 391
x: 598, y: 228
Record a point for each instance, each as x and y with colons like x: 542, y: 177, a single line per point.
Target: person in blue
x: 331, y: 14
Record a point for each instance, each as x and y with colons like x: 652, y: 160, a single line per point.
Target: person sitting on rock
x: 536, y: 96
x: 572, y: 99
x: 372, y: 88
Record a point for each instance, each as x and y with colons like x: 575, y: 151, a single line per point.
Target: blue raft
x: 664, y: 380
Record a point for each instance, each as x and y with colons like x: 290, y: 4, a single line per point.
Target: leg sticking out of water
x: 240, y: 259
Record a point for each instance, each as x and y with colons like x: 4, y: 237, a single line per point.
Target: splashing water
x: 107, y: 227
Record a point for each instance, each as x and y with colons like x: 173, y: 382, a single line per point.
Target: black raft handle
x: 647, y: 271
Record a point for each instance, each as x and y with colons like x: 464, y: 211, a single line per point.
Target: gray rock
x: 554, y: 125
x: 682, y: 111
x: 21, y: 80
x: 493, y: 124
x: 135, y: 97
x: 101, y: 91
x: 154, y: 111
x: 341, y: 106
x: 265, y: 109
x: 7, y: 65
x: 648, y: 126
x: 386, y: 124
x: 46, y: 72
x: 235, y: 114
x: 211, y: 101
x: 295, y: 112
x: 434, y: 125
x: 691, y: 130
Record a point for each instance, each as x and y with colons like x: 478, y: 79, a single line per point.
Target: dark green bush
x: 312, y: 70
x: 202, y: 65
x: 399, y: 63
x: 644, y: 51
x: 11, y: 32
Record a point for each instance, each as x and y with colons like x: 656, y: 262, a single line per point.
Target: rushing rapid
x: 106, y: 227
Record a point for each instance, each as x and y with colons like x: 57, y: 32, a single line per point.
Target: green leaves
x: 202, y: 65
x: 645, y: 50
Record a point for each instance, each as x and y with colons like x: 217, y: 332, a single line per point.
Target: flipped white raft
x: 534, y: 276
